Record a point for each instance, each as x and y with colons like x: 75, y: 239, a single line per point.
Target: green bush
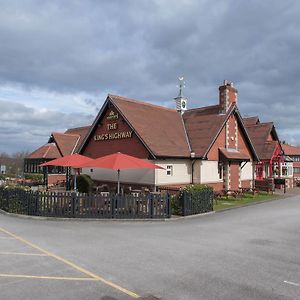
x: 194, y: 188
x: 84, y: 183
x: 176, y: 206
x: 34, y: 177
x: 16, y: 187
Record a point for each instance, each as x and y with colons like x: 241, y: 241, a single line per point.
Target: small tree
x: 84, y: 183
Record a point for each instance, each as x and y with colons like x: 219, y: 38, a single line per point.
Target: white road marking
x: 21, y: 253
x: 292, y: 283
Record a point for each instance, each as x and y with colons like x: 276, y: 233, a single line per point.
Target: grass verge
x: 229, y: 202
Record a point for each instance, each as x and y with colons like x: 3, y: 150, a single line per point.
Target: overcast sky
x: 59, y: 59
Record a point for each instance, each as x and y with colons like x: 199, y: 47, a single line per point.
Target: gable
x: 48, y: 151
x: 66, y: 143
x: 112, y: 134
x: 161, y: 129
x: 202, y: 126
x: 233, y: 137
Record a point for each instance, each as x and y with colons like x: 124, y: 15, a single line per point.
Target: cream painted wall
x: 246, y: 172
x: 197, y: 171
x: 181, y: 171
x: 209, y: 172
x: 138, y: 176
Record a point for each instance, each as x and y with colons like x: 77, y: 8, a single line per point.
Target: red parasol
x: 119, y: 161
x: 73, y: 161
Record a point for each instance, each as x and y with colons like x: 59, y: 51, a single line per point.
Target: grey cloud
x: 138, y: 48
x: 24, y: 128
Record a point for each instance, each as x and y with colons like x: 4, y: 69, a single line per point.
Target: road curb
x: 41, y: 218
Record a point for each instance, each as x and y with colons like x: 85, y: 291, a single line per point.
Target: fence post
x: 184, y: 195
x: 113, y: 205
x: 168, y: 205
x: 151, y: 206
x: 36, y: 202
x: 28, y: 195
x: 73, y: 203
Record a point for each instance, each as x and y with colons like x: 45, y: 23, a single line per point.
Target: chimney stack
x: 227, y: 96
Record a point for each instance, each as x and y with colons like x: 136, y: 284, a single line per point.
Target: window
x: 287, y: 169
x: 92, y: 170
x: 220, y: 169
x: 169, y: 170
x: 296, y: 170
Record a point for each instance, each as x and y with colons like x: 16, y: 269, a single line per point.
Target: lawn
x: 223, y: 202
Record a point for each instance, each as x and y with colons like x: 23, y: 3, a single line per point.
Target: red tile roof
x: 251, y: 121
x: 290, y: 150
x: 66, y: 143
x: 48, y: 151
x: 161, y: 129
x: 259, y: 134
x: 202, y: 126
x: 81, y: 131
x: 233, y: 154
x: 167, y: 133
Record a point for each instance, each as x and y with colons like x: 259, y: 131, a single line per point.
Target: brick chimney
x: 227, y: 96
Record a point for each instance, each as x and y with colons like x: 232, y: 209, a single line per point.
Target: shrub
x: 84, y: 183
x: 176, y: 205
x: 194, y: 188
x: 34, y: 177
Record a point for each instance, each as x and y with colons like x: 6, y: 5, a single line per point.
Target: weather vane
x: 181, y: 86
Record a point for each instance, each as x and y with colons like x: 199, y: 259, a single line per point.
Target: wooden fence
x: 77, y: 205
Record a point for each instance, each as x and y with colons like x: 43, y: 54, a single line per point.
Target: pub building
x: 59, y: 145
x: 293, y: 153
x: 273, y: 163
x: 208, y: 145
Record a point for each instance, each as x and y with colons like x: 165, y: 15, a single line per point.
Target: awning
x: 233, y: 154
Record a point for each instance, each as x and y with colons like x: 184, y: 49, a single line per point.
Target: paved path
x: 246, y: 253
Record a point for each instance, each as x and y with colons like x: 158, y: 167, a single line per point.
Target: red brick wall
x: 213, y: 153
x: 242, y: 144
x: 234, y: 176
x: 220, y: 142
x: 296, y: 164
x: 246, y: 184
x: 56, y: 178
x: 131, y: 145
x: 270, y: 138
x: 231, y: 140
x: 290, y: 183
x: 218, y: 186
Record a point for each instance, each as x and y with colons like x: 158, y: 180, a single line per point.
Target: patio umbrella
x: 119, y: 161
x: 74, y: 161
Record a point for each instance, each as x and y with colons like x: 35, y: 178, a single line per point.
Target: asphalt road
x: 247, y: 253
